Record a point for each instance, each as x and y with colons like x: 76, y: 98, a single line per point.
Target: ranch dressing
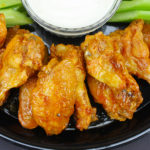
x: 71, y: 13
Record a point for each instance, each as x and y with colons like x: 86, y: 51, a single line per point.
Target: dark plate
x: 104, y: 133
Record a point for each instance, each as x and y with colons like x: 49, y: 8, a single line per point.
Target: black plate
x: 104, y: 133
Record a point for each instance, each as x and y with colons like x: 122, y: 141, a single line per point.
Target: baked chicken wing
x: 3, y: 30
x: 25, y: 108
x: 84, y: 113
x: 22, y: 57
x: 134, y: 50
x: 53, y: 97
x: 109, y: 81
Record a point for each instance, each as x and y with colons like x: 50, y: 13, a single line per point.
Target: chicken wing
x: 134, y: 50
x: 54, y: 97
x: 23, y: 56
x: 3, y: 30
x: 109, y: 81
x: 25, y: 108
x: 84, y: 113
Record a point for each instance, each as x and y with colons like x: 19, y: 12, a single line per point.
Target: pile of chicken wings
x: 52, y: 88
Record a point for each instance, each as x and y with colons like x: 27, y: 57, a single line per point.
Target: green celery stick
x: 134, y: 5
x: 19, y: 8
x: 130, y: 16
x: 14, y: 17
x: 9, y: 3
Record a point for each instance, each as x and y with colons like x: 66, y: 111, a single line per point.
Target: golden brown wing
x: 84, y: 113
x: 119, y: 105
x: 109, y: 81
x: 102, y: 62
x: 134, y: 50
x: 23, y: 56
x: 25, y: 108
x: 53, y: 97
x: 3, y: 30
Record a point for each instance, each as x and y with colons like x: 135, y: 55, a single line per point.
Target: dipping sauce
x: 71, y: 13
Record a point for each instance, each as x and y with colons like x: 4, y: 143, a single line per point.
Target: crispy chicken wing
x: 134, y: 50
x: 3, y: 30
x: 110, y: 83
x: 54, y: 97
x: 102, y: 62
x: 25, y: 108
x: 23, y: 56
x: 84, y: 113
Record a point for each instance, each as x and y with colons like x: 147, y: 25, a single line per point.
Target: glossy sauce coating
x: 25, y: 108
x: 146, y: 34
x: 54, y: 96
x: 24, y: 54
x: 133, y: 48
x: 110, y: 83
x: 84, y: 112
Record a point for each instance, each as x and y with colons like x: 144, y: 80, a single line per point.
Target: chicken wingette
x: 84, y: 112
x: 109, y: 81
x: 53, y: 97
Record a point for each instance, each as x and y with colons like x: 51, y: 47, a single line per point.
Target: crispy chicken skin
x: 109, y: 81
x: 22, y: 57
x: 102, y: 62
x: 53, y: 98
x: 25, y: 108
x: 146, y: 34
x: 134, y: 50
x: 1, y: 55
x: 119, y: 105
x: 11, y: 32
x: 84, y: 113
x: 3, y: 30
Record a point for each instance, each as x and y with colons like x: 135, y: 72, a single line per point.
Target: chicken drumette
x: 109, y: 81
x: 23, y: 56
x: 84, y: 113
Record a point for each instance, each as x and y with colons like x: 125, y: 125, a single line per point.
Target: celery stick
x: 9, y: 3
x: 134, y: 5
x: 19, y: 8
x: 14, y: 17
x: 130, y: 16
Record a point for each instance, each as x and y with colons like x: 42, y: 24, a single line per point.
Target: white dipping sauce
x: 71, y: 13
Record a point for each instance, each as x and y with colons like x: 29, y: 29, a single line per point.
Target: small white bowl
x: 71, y: 32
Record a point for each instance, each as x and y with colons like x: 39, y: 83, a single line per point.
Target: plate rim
x: 127, y: 140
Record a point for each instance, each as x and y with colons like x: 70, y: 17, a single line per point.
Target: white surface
x: 71, y: 13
